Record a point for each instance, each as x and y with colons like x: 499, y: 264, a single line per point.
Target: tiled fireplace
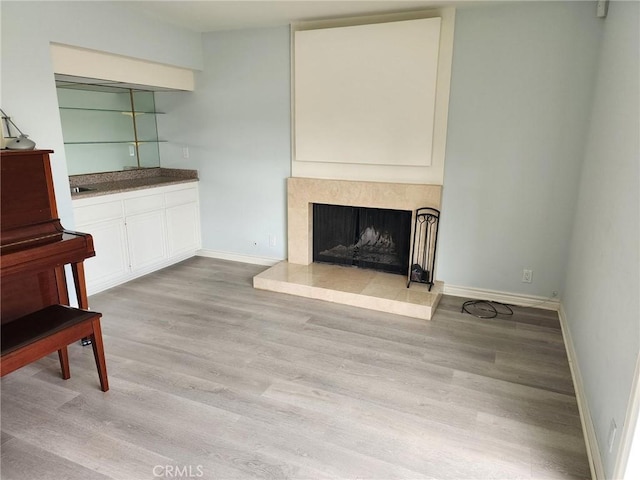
x: 352, y: 286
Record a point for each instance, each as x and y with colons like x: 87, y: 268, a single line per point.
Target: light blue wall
x: 28, y: 90
x: 236, y: 125
x: 522, y: 80
x: 520, y: 92
x: 602, y: 293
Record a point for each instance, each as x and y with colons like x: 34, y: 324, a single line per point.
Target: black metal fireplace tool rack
x: 423, y: 249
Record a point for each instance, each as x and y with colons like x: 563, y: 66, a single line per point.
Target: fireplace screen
x: 363, y: 237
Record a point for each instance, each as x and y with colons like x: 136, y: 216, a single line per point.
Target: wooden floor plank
x: 21, y: 460
x: 211, y: 376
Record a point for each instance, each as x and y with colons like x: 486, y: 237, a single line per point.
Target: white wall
x: 602, y: 288
x: 236, y: 125
x: 522, y: 80
x: 28, y: 91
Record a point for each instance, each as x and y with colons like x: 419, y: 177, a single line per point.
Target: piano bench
x: 29, y: 338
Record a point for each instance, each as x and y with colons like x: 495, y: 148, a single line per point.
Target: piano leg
x: 78, y: 282
x: 61, y: 284
x: 81, y: 292
x: 63, y: 294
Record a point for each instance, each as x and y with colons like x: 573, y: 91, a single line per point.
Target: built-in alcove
x: 107, y: 127
x: 374, y: 238
x: 107, y: 107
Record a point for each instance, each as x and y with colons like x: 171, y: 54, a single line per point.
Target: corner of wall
x: 588, y: 429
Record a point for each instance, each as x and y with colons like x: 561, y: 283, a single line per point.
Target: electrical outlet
x: 613, y: 429
x: 272, y: 240
x: 185, y: 152
x: 527, y: 276
x: 602, y: 8
x: 132, y: 151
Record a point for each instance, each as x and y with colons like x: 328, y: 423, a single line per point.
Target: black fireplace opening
x: 374, y: 238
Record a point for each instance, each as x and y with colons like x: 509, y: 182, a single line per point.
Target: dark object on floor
x: 485, y: 308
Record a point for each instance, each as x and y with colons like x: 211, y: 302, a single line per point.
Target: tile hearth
x: 384, y: 292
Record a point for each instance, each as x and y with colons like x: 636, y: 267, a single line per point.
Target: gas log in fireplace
x: 372, y: 238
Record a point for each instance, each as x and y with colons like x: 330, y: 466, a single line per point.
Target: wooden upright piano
x: 34, y: 249
x: 34, y: 246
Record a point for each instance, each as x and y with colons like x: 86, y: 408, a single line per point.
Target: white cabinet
x: 112, y: 262
x: 146, y: 239
x: 138, y: 232
x: 105, y: 222
x: 183, y: 221
x: 146, y: 230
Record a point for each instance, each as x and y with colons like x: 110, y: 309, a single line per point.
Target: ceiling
x: 214, y: 15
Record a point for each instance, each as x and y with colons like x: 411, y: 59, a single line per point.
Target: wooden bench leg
x: 64, y: 363
x: 98, y: 353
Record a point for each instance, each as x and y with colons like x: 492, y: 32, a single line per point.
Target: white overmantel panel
x: 399, y: 134
x: 366, y: 93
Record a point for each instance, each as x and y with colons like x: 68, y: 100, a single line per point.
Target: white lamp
x: 17, y: 143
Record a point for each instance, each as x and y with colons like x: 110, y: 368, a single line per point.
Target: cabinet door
x: 111, y: 263
x: 183, y: 228
x: 146, y: 238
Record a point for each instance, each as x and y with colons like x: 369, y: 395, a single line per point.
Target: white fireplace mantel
x: 381, y: 291
x: 304, y: 192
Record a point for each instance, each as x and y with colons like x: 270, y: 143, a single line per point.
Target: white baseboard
x: 503, y: 297
x: 98, y: 287
x: 235, y: 257
x: 628, y: 460
x: 593, y: 451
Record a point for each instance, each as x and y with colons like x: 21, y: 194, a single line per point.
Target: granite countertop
x: 116, y: 182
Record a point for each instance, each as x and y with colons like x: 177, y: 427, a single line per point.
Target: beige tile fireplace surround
x: 347, y: 285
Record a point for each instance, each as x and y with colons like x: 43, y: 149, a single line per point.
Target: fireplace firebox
x: 373, y: 238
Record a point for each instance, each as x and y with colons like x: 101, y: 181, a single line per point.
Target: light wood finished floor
x: 213, y: 379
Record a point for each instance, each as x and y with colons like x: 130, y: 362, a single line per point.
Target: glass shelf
x: 124, y: 112
x: 132, y: 142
